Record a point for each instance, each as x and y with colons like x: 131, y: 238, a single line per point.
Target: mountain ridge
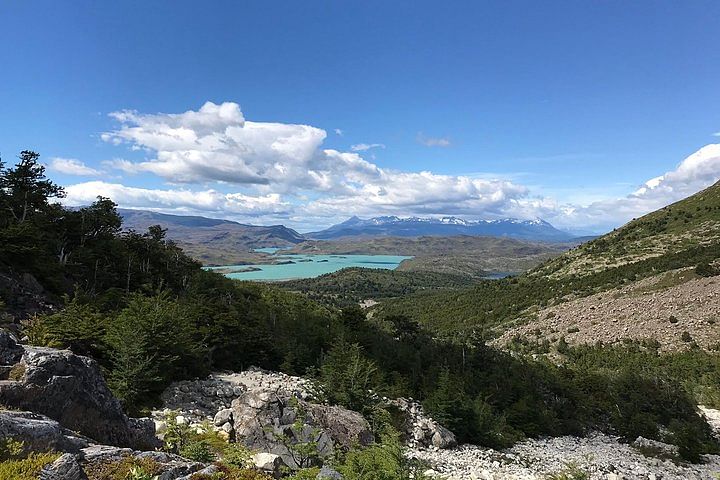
x: 536, y: 229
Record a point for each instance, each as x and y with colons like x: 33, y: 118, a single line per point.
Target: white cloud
x: 278, y: 169
x: 716, y: 134
x: 433, y: 141
x: 177, y: 200
x: 694, y: 173
x: 361, y: 147
x: 339, y: 132
x: 71, y: 166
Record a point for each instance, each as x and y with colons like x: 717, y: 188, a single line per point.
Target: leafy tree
x: 26, y: 190
x: 348, y: 376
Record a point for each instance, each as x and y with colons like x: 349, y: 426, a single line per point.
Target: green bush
x: 128, y: 468
x: 28, y: 468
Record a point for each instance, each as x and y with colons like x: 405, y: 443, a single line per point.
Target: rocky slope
x: 662, y: 308
x: 268, y: 412
x: 598, y: 456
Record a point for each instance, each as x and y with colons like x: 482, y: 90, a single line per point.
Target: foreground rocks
x: 420, y: 429
x: 271, y: 413
x: 70, y: 389
x: 600, y: 456
x: 39, y: 433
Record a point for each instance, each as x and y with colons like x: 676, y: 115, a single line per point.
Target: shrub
x: 17, y: 372
x: 571, y: 472
x: 198, y: 451
x: 128, y: 468
x: 28, y: 468
x: 686, y: 337
x: 673, y: 319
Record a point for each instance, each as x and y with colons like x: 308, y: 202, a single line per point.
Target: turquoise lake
x: 309, y: 266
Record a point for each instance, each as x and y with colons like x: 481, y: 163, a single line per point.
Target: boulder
x: 70, y: 389
x: 268, y: 422
x: 10, y: 351
x: 222, y: 417
x: 173, y: 466
x: 441, y: 437
x: 269, y: 463
x: 327, y: 473
x: 64, y: 468
x: 420, y: 429
x: 38, y: 433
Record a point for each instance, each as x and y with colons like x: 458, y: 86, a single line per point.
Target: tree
x: 349, y: 376
x: 25, y: 188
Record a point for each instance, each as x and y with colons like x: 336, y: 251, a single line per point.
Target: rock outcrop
x: 420, y: 429
x: 38, y: 433
x: 270, y: 413
x: 70, y: 389
x: 278, y: 423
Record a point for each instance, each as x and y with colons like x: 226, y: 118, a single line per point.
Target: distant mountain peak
x: 391, y: 225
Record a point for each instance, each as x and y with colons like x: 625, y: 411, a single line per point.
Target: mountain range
x: 446, y: 226
x: 225, y: 242
x: 213, y: 241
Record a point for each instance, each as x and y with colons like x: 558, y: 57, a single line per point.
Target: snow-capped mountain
x: 536, y: 229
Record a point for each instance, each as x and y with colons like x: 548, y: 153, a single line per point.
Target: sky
x: 583, y: 113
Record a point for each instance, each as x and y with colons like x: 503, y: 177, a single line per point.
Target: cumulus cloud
x: 362, y: 147
x: 177, y: 200
x: 433, y: 141
x: 694, y: 173
x: 339, y: 132
x: 71, y: 166
x: 276, y: 169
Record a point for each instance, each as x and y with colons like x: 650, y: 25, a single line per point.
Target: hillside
x: 446, y: 226
x: 690, y: 223
x: 680, y: 236
x: 213, y: 241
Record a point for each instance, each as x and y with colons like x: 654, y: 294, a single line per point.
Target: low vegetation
x: 351, y: 286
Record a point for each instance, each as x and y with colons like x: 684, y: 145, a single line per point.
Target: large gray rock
x: 70, y: 389
x: 276, y: 422
x: 327, y: 473
x: 10, y: 351
x: 38, y: 433
x: 269, y: 463
x: 64, y: 468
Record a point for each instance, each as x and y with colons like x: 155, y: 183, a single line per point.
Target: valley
x: 350, y: 240
x: 596, y: 348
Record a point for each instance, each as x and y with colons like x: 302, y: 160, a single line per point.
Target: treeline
x: 150, y: 315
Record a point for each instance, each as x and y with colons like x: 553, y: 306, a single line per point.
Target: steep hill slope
x: 690, y: 223
x: 679, y: 236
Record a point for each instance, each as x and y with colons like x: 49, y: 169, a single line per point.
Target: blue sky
x: 561, y: 110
